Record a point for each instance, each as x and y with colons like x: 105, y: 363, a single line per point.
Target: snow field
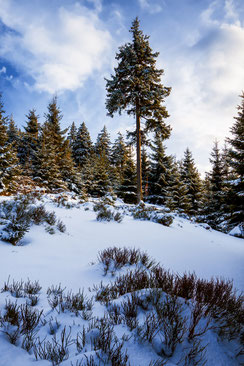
x: 70, y: 259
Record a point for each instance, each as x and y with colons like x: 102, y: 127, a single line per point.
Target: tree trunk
x: 138, y: 155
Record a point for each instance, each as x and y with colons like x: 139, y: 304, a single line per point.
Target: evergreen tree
x: 60, y: 144
x: 101, y: 179
x: 127, y: 190
x: 103, y: 144
x: 161, y: 168
x: 47, y: 171
x: 9, y: 169
x: 236, y: 154
x: 136, y: 87
x: 145, y: 167
x: 72, y: 134
x: 119, y: 152
x: 216, y: 178
x: 206, y: 198
x: 119, y: 155
x: 30, y: 142
x: 215, y: 186
x: 88, y: 175
x: 54, y: 163
x: 176, y: 197
x: 225, y: 161
x: 191, y: 179
x: 82, y: 146
x: 13, y: 132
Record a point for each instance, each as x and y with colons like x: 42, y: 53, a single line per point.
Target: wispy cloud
x: 151, y: 6
x: 58, y: 47
x: 207, y: 77
x: 3, y: 70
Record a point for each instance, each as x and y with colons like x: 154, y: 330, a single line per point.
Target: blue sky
x: 67, y: 47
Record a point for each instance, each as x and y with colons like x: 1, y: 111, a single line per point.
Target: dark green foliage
x: 236, y: 162
x: 103, y: 144
x: 119, y: 156
x: 55, y: 166
x: 136, y: 78
x: 216, y: 178
x: 160, y: 174
x: 30, y: 143
x: 13, y: 132
x: 214, y: 190
x: 9, y: 169
x: 47, y: 168
x: 191, y: 178
x: 127, y: 188
x: 176, y: 197
x: 72, y: 134
x: 136, y: 88
x: 81, y: 146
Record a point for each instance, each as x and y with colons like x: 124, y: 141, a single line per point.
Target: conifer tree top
x: 136, y: 85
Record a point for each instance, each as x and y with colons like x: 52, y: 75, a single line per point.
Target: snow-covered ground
x: 70, y: 259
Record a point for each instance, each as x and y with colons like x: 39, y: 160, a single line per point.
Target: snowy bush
x: 115, y: 258
x: 151, y: 213
x: 106, y: 213
x: 17, y: 216
x: 71, y: 302
x: 20, y: 321
x: 171, y: 316
x: 15, y: 219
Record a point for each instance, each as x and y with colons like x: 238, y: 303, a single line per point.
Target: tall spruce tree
x: 119, y: 152
x: 13, y: 132
x: 72, y: 134
x: 236, y: 154
x: 216, y: 177
x: 30, y: 142
x: 127, y: 189
x: 9, y: 168
x: 117, y: 159
x: 191, y: 178
x: 161, y: 168
x: 82, y: 146
x: 176, y: 197
x: 215, y: 180
x: 103, y: 144
x: 101, y: 178
x: 47, y: 171
x: 136, y: 87
x: 61, y: 144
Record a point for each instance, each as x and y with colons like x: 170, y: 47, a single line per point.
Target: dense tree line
x: 55, y: 159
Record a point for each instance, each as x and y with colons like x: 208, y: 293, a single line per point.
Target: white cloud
x: 206, y: 80
x: 152, y: 7
x: 58, y: 47
x: 3, y: 70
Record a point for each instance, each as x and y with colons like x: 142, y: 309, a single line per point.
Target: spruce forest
x: 81, y: 222
x: 54, y: 159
